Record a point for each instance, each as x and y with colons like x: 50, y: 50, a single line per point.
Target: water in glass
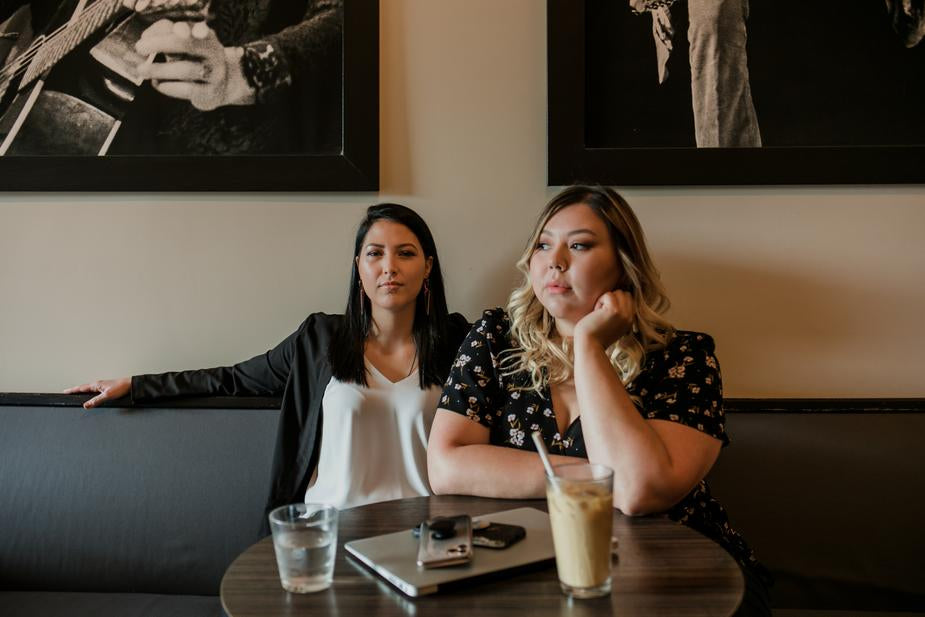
x: 305, y: 558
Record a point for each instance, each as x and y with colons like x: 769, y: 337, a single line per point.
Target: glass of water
x: 305, y: 541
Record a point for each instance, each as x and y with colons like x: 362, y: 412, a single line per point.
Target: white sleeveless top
x: 373, y: 441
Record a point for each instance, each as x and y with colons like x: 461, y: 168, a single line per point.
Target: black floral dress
x: 680, y: 383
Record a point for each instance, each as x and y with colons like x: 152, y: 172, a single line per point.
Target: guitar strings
x: 22, y: 62
x: 55, y: 34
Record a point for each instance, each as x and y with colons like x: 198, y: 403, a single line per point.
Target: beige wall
x: 813, y: 291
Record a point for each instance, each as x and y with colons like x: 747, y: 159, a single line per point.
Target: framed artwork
x: 195, y: 95
x: 703, y: 92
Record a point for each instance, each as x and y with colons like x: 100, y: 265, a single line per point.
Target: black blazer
x: 300, y: 369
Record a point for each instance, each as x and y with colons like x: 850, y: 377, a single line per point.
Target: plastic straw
x: 544, y: 454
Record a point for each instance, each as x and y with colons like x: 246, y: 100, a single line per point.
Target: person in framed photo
x: 908, y: 18
x: 724, y: 113
x: 179, y: 77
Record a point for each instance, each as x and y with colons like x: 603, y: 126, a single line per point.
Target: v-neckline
x: 372, y: 367
x: 555, y: 417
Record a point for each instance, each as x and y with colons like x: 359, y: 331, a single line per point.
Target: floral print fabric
x: 680, y: 383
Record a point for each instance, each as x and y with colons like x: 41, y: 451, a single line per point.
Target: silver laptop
x: 393, y: 556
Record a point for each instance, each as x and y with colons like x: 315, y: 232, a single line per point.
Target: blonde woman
x: 584, y: 355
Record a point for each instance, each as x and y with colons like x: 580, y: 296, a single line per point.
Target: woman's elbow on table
x: 439, y: 487
x: 646, y: 498
x: 449, y: 433
x: 437, y: 465
x: 633, y: 507
x: 630, y: 501
x: 438, y: 469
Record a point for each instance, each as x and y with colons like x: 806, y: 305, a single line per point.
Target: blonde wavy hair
x: 532, y: 326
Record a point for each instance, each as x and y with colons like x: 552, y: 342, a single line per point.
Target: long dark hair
x: 429, y: 329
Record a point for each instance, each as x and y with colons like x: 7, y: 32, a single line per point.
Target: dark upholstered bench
x: 130, y: 512
x: 127, y: 512
x: 829, y: 492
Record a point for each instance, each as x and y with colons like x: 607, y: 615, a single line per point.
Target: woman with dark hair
x: 359, y: 390
x: 584, y: 356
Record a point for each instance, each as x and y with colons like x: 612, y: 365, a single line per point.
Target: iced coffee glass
x: 580, y: 498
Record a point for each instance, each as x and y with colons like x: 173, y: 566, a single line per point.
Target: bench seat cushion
x: 74, y: 604
x: 831, y: 502
x: 155, y: 501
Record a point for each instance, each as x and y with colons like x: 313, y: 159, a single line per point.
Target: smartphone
x: 445, y: 541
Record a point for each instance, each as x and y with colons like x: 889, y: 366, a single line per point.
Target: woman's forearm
x: 489, y: 471
x: 616, y: 435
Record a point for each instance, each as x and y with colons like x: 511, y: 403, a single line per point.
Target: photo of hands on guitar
x: 172, y: 77
x: 185, y: 60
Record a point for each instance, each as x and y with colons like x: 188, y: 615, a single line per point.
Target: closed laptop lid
x: 393, y: 556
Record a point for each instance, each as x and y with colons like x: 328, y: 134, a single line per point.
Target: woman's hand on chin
x: 611, y: 319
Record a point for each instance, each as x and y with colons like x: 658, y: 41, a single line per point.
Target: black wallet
x: 498, y: 535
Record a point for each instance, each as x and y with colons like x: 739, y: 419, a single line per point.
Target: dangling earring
x: 426, y: 297
x: 362, y: 304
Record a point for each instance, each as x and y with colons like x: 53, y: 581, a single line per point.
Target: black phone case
x: 498, y: 535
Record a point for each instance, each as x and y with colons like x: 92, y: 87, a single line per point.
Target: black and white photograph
x: 206, y: 81
x: 814, y: 84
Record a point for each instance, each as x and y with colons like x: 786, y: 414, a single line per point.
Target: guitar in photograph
x: 65, y: 91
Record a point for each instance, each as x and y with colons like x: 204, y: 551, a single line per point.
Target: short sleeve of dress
x: 682, y: 383
x: 474, y: 386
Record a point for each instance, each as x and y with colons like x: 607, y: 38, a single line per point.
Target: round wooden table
x: 662, y: 568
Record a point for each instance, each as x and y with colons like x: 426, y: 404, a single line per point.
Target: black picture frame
x: 355, y: 168
x: 571, y: 160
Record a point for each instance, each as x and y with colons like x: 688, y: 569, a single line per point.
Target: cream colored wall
x: 809, y: 291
